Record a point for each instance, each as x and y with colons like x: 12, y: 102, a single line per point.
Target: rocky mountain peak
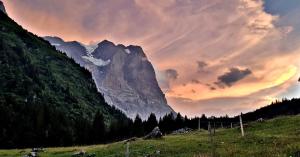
x: 125, y: 77
x: 106, y: 50
x: 106, y: 43
x: 137, y: 50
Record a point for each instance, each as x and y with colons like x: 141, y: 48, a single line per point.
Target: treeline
x: 118, y: 130
x: 39, y: 125
x: 42, y: 126
x: 275, y: 109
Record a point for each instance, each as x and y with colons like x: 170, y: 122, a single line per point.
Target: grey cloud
x: 232, y: 76
x: 211, y: 87
x: 171, y: 74
x: 165, y: 77
x: 201, y: 66
x: 195, y: 81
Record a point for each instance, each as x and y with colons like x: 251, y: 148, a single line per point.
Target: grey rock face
x: 155, y: 133
x: 122, y: 74
x: 2, y: 8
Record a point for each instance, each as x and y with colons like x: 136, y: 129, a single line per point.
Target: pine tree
x: 138, y: 129
x: 98, y: 128
x: 151, y: 123
x: 179, y: 121
x: 167, y: 123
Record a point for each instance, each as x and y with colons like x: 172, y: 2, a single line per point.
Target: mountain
x: 122, y: 74
x: 2, y: 8
x: 45, y: 97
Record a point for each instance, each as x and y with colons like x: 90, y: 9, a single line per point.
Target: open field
x: 279, y: 137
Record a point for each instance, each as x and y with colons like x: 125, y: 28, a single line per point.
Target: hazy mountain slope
x: 124, y: 75
x: 2, y: 8
x: 73, y: 49
x: 37, y: 83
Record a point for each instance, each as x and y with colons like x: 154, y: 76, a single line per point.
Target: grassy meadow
x: 279, y: 137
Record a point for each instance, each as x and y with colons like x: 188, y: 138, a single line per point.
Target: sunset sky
x: 211, y: 56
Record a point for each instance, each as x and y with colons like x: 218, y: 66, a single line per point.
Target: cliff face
x: 129, y: 80
x: 124, y: 76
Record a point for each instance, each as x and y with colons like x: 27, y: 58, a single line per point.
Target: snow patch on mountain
x: 127, y: 51
x: 90, y: 48
x: 98, y: 62
x: 55, y: 44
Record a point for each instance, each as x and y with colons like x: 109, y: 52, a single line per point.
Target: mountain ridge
x: 124, y: 75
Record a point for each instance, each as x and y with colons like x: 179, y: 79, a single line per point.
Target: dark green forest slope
x: 45, y: 97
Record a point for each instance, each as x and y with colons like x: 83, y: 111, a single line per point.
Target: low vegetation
x: 275, y: 137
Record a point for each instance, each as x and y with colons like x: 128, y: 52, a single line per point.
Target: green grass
x: 279, y: 137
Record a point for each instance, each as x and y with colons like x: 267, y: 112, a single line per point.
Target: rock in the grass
x: 155, y: 133
x: 260, y: 120
x: 31, y: 154
x: 78, y: 154
x: 38, y: 149
x: 157, y: 152
x: 182, y: 130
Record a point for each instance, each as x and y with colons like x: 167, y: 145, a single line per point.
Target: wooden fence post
x: 209, y: 127
x: 199, y: 124
x: 127, y: 150
x: 213, y: 149
x: 214, y: 127
x: 242, y: 127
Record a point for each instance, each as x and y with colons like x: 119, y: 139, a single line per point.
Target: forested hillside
x: 46, y: 99
x: 275, y: 109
